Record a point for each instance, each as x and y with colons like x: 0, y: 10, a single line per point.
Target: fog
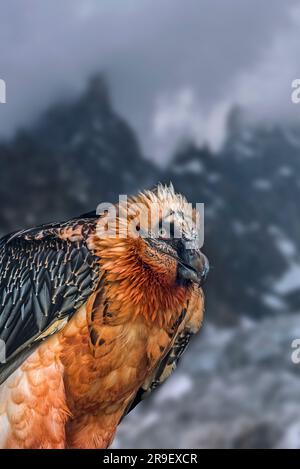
x: 175, y: 68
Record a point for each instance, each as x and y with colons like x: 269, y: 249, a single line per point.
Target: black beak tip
x: 204, y: 270
x: 204, y: 275
x: 199, y: 267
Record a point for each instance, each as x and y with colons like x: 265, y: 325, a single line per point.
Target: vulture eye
x: 163, y: 233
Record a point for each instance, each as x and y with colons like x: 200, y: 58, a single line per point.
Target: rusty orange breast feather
x: 114, y: 342
x: 99, y: 377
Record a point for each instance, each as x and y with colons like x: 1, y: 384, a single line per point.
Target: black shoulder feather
x: 46, y: 274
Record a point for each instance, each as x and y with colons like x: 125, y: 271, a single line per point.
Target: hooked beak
x: 193, y: 265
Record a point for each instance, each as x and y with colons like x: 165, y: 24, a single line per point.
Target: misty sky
x: 175, y: 67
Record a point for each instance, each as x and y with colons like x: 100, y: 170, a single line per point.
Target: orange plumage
x: 86, y: 366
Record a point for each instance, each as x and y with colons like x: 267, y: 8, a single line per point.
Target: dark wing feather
x: 45, y: 276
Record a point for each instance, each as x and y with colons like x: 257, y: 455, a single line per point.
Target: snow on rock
x: 175, y: 388
x: 289, y: 281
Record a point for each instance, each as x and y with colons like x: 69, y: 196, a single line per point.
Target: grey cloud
x: 149, y: 50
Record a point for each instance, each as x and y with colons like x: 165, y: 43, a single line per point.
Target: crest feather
x: 164, y: 194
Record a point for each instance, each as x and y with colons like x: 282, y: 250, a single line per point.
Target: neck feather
x: 138, y: 288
